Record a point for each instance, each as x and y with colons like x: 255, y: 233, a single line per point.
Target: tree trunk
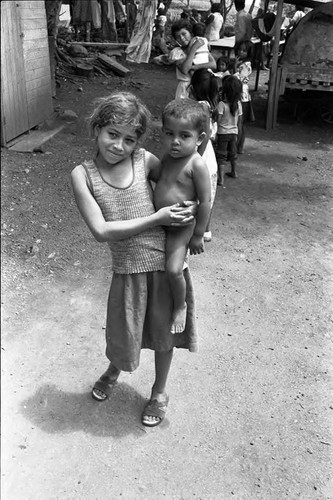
x: 52, y: 8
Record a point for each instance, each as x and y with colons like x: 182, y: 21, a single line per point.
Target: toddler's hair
x: 186, y: 109
x: 199, y: 29
x: 231, y: 92
x: 121, y: 108
x: 205, y: 87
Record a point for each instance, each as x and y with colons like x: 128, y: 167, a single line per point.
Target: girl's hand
x: 196, y: 245
x: 175, y: 215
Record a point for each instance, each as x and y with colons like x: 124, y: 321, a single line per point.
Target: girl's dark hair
x: 231, y: 92
x: 248, y: 47
x: 179, y: 25
x: 205, y: 88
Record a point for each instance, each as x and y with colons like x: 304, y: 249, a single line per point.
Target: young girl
x: 229, y: 111
x: 243, y: 70
x: 204, y: 88
x: 222, y: 70
x: 183, y: 57
x: 114, y: 195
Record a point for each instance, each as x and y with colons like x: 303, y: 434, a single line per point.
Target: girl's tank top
x: 143, y: 252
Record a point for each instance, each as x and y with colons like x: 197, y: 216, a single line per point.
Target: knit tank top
x: 143, y: 252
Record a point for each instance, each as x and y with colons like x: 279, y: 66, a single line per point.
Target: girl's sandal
x: 104, y: 386
x: 154, y: 409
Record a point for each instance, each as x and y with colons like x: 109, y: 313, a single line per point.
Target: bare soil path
x: 250, y: 415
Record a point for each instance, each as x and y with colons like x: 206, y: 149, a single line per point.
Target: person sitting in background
x: 214, y: 23
x: 243, y: 24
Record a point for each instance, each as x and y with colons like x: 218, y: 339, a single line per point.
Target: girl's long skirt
x: 139, y: 316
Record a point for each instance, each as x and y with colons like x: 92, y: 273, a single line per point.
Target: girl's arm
x: 103, y: 230
x: 201, y: 179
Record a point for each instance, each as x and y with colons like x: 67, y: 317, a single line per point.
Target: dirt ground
x: 250, y: 415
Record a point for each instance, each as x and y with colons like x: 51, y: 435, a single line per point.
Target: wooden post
x: 272, y: 102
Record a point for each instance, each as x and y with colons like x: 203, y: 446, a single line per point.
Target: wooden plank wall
x: 36, y: 61
x: 14, y: 109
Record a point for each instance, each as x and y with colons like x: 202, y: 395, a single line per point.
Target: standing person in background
x: 131, y: 10
x: 229, y: 111
x: 214, y: 23
x: 205, y: 89
x: 139, y: 48
x: 222, y: 69
x: 243, y: 24
x: 243, y: 70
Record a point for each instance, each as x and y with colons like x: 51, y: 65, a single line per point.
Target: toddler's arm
x: 103, y: 230
x: 201, y: 179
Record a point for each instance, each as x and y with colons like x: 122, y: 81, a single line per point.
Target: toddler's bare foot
x: 231, y: 174
x: 179, y: 320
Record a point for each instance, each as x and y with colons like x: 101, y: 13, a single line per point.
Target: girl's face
x: 183, y: 37
x: 180, y: 139
x: 116, y: 143
x: 242, y: 52
x: 222, y: 66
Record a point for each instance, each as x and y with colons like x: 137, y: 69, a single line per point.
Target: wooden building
x: 26, y: 94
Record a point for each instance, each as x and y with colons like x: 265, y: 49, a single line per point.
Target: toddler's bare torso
x: 176, y: 183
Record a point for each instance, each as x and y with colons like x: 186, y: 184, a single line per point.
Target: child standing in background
x: 115, y: 198
x: 184, y: 176
x: 204, y: 89
x: 243, y: 70
x: 222, y: 70
x: 229, y: 111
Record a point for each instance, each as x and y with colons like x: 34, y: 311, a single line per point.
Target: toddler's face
x: 180, y: 139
